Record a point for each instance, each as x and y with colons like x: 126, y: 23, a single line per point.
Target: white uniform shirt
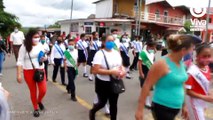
x: 149, y: 55
x: 126, y: 45
x: 17, y: 38
x: 138, y: 46
x: 113, y: 58
x: 74, y: 55
x: 24, y: 60
x: 96, y: 43
x: 81, y: 45
x: 55, y: 53
x: 46, y: 47
x: 117, y: 43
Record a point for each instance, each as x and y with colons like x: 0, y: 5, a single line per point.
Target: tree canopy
x: 7, y: 21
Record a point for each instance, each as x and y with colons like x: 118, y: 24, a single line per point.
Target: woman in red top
x: 198, y: 84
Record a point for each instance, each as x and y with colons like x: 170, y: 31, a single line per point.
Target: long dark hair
x: 28, y: 42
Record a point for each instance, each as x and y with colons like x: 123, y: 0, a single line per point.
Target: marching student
x: 57, y: 60
x: 137, y: 48
x: 82, y: 53
x: 146, y: 59
x: 71, y: 56
x: 198, y: 84
x: 124, y: 50
x: 94, y: 46
x: 46, y: 51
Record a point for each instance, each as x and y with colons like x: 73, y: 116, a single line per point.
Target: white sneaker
x: 1, y: 74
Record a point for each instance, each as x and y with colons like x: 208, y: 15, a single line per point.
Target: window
x: 210, y: 20
x: 88, y: 30
x: 157, y: 14
x: 74, y: 27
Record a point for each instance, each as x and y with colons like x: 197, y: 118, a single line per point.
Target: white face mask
x: 115, y: 36
x: 36, y: 40
x: 16, y: 30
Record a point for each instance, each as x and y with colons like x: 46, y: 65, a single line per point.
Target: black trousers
x: 104, y: 94
x: 135, y: 61
x: 71, y: 73
x: 160, y: 112
x: 46, y: 68
x: 58, y: 63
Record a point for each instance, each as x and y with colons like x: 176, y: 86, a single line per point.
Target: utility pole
x: 137, y: 18
x: 71, y: 11
x: 139, y: 21
x: 207, y: 22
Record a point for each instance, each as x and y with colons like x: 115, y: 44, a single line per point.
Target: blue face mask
x: 110, y: 45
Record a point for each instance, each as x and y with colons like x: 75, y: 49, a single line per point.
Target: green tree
x: 55, y: 25
x: 187, y: 26
x: 7, y: 21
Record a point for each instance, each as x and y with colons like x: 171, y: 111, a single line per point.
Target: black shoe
x: 85, y: 75
x: 148, y: 107
x: 54, y: 81
x: 41, y: 106
x: 68, y: 91
x: 128, y: 77
x: 91, y: 115
x: 74, y: 99
x: 107, y: 115
x: 36, y: 113
x: 64, y: 84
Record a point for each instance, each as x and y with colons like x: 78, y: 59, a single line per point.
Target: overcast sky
x: 41, y: 12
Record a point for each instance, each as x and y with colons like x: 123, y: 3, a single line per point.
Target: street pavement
x: 58, y: 104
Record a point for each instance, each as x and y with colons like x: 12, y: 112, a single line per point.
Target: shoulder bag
x: 38, y: 73
x: 117, y: 85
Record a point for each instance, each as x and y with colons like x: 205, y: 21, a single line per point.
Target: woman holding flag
x: 146, y: 59
x: 82, y: 53
x: 124, y: 50
x: 198, y: 84
x: 71, y: 56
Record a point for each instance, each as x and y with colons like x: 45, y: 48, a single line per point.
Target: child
x: 71, y: 56
x: 146, y: 59
x: 198, y: 84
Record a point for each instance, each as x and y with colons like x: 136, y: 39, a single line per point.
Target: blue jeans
x: 1, y: 61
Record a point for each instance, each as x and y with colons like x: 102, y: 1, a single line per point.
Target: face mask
x: 16, y: 30
x: 124, y: 40
x: 115, y: 36
x: 71, y: 47
x: 42, y: 41
x: 151, y: 51
x: 110, y: 45
x: 204, y: 61
x: 59, y: 41
x: 36, y: 40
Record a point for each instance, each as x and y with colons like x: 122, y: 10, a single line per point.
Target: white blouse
x: 113, y: 58
x: 24, y: 60
x: 74, y: 55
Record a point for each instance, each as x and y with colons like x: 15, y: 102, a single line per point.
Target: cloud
x: 45, y: 12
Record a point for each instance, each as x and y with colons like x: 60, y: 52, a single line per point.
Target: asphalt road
x: 58, y: 104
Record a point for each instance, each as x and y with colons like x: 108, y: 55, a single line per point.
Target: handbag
x: 38, y: 73
x: 117, y: 85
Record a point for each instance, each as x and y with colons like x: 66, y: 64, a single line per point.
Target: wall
x: 104, y: 9
x: 171, y: 11
x: 125, y: 7
x: 65, y: 27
